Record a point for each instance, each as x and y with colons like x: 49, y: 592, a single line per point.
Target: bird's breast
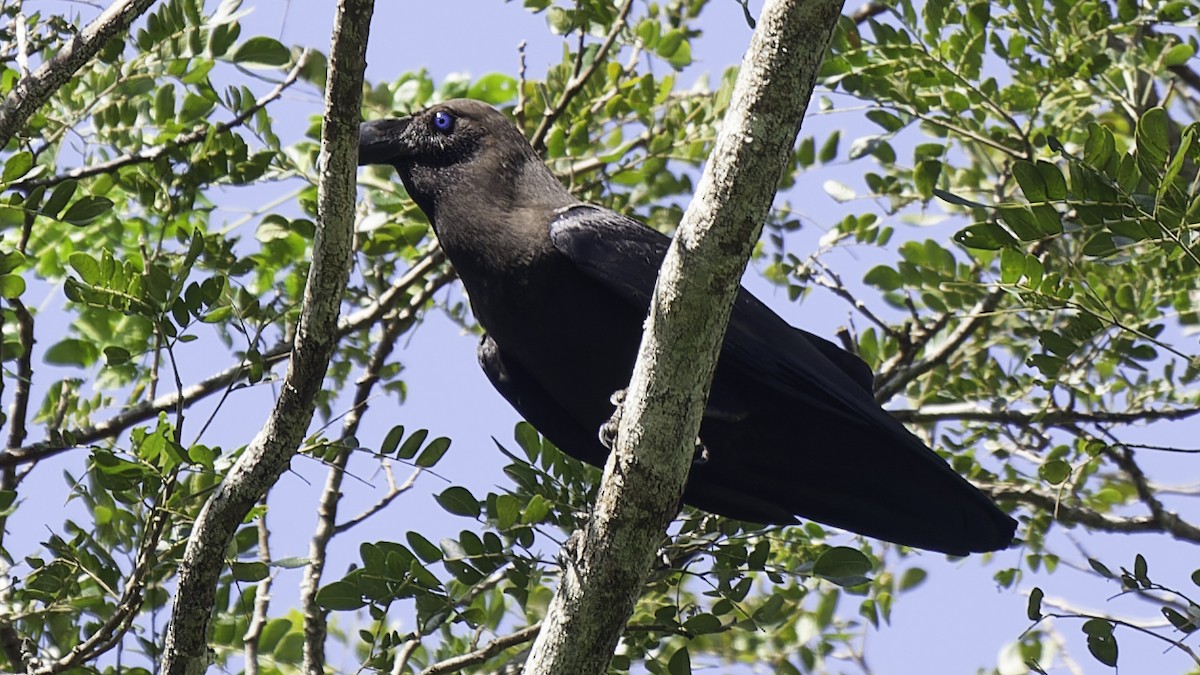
x: 578, y: 339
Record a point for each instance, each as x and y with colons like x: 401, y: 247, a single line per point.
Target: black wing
x: 813, y: 441
x: 626, y: 255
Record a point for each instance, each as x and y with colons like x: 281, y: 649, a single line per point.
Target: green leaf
x: 1179, y: 621
x: 459, y: 501
x: 17, y: 166
x: 560, y: 20
x: 841, y: 562
x: 1052, y: 176
x: 1054, y: 471
x: 1020, y: 220
x: 11, y: 286
x: 1101, y: 642
x: 535, y: 510
x: 87, y: 210
x: 884, y: 278
x: 925, y: 177
x: 1034, y: 610
x: 1057, y: 343
x: 115, y: 356
x: 1031, y: 181
x: 829, y: 148
x: 261, y: 51
x: 912, y: 577
x: 951, y: 198
x: 413, y: 443
x: 669, y: 44
x: 1140, y: 570
x: 424, y: 548
x: 988, y: 236
x: 340, y: 596
x: 250, y: 571
x: 392, y: 440
x: 702, y: 623
x: 433, y: 452
x: 508, y: 509
x: 1012, y: 265
x: 59, y: 196
x: 1152, y: 135
x: 681, y: 662
x: 494, y: 88
x: 885, y: 119
x: 72, y: 352
x: 164, y: 104
x: 1100, y: 147
x: 1107, y: 573
x: 272, y: 633
x: 1178, y: 54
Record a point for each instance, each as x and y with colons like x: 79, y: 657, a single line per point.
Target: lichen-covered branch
x: 605, y: 565
x: 270, y: 453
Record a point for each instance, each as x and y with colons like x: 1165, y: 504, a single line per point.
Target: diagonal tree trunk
x: 605, y: 565
x: 271, y: 451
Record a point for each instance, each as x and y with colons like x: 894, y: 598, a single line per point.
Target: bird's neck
x: 504, y: 226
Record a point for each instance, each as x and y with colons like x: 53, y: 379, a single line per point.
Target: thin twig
x: 580, y: 77
x: 194, y: 136
x: 394, y: 491
x: 262, y: 600
x: 1052, y: 417
x: 893, y: 378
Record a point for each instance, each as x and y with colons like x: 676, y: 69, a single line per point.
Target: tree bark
x: 605, y: 565
x: 271, y: 451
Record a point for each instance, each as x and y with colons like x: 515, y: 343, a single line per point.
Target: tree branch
x: 269, y: 454
x: 262, y: 600
x: 457, y: 663
x: 894, y: 378
x: 606, y: 563
x: 1053, y: 417
x: 32, y: 92
x: 1030, y: 495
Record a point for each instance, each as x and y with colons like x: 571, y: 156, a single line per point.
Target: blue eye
x: 443, y: 121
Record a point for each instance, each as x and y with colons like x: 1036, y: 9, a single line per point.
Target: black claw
x: 608, y: 430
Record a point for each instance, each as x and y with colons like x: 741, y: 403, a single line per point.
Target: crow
x: 562, y: 289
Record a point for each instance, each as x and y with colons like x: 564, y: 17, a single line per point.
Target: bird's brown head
x: 452, y: 151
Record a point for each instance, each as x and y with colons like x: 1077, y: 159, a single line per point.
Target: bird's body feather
x: 562, y: 289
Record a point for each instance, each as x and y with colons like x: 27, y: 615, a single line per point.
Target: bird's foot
x: 608, y: 430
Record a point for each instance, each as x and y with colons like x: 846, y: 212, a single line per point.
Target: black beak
x: 379, y: 140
